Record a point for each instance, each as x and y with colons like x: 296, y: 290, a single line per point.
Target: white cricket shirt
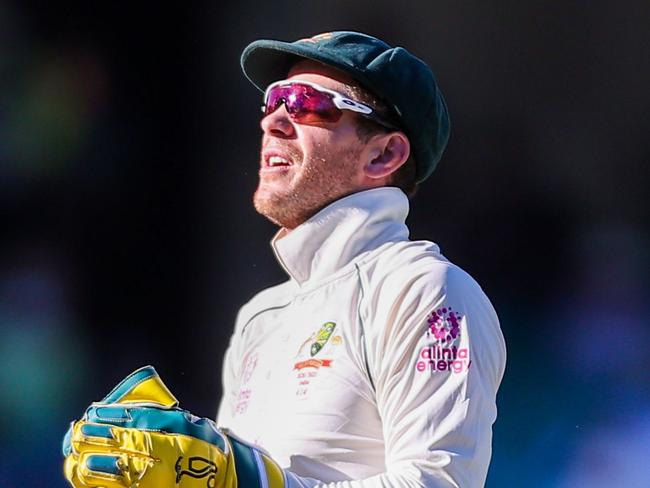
x: 375, y: 365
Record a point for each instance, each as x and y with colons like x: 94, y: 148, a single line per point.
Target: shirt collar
x: 341, y: 232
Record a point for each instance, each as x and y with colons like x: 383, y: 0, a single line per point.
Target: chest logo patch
x: 317, y: 341
x: 322, y: 336
x: 308, y: 366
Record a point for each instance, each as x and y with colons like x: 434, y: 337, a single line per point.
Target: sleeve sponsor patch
x: 444, y: 351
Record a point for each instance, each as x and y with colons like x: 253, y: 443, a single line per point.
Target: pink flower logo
x: 444, y: 325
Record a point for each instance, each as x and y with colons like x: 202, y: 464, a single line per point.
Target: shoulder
x: 410, y: 281
x: 412, y: 292
x: 415, y: 267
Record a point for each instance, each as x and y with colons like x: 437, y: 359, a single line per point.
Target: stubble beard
x: 321, y: 181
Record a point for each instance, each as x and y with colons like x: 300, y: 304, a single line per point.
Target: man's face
x: 325, y: 159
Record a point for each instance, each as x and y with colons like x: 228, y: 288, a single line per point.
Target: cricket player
x: 377, y: 362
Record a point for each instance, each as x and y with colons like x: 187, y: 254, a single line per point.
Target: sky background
x: 129, y: 142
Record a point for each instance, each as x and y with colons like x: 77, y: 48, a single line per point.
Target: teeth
x: 275, y: 160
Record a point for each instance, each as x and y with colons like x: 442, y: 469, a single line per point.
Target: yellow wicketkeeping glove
x: 138, y: 437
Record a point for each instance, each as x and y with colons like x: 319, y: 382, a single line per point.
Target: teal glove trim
x: 128, y: 383
x: 114, y: 396
x: 119, y: 414
x: 104, y: 464
x: 92, y: 430
x: 170, y: 421
x: 246, y: 465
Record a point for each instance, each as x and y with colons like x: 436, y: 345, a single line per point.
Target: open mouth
x: 277, y: 161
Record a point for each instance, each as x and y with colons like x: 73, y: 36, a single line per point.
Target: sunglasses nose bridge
x: 278, y: 104
x: 274, y: 102
x: 278, y: 122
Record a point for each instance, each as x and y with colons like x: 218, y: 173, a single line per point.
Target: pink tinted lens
x: 304, y: 104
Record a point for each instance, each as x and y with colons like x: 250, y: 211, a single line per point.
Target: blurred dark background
x: 128, y: 157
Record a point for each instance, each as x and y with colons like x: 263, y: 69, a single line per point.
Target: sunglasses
x: 310, y: 103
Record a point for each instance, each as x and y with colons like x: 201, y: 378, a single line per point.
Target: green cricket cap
x: 394, y: 75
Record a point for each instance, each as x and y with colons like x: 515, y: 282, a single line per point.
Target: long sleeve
x: 437, y: 356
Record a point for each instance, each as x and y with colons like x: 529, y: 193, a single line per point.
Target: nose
x: 278, y: 123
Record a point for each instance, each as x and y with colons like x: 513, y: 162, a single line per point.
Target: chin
x: 266, y: 204
x: 279, y: 209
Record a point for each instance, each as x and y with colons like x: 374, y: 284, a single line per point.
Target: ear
x: 386, y: 153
